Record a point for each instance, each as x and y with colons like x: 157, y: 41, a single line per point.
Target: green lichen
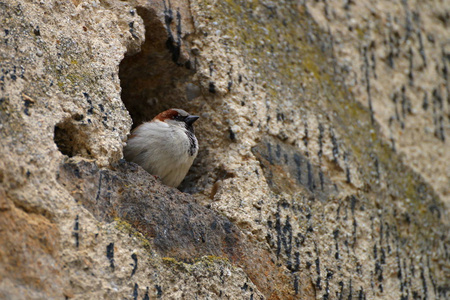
x: 212, y: 259
x: 286, y: 46
x: 126, y: 227
x: 173, y: 263
x: 361, y: 33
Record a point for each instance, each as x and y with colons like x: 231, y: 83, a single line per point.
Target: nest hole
x: 71, y: 139
x: 155, y: 79
x: 160, y: 76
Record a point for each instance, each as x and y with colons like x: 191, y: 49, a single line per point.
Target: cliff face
x: 322, y: 172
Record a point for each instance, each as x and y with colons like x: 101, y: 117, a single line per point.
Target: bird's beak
x: 191, y: 119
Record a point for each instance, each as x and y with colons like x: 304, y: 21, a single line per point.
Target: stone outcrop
x: 322, y: 171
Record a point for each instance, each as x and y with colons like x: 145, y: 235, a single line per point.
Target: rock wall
x: 322, y: 172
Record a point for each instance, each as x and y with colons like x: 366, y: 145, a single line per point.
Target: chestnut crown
x: 177, y: 115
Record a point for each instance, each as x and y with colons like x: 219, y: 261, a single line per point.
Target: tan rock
x: 322, y: 171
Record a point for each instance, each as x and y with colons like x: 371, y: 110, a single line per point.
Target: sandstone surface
x: 323, y: 166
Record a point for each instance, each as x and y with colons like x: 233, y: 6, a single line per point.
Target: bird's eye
x: 180, y: 118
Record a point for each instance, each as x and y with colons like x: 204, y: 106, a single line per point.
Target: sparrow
x: 165, y: 147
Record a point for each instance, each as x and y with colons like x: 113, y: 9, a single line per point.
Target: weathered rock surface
x: 322, y: 172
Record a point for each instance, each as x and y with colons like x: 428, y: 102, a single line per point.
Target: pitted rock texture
x: 59, y: 98
x: 397, y: 65
x: 322, y: 171
x: 177, y: 226
x: 174, y: 225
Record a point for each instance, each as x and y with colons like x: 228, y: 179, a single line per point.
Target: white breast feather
x: 162, y: 150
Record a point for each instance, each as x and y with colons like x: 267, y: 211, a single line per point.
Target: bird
x: 165, y: 147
